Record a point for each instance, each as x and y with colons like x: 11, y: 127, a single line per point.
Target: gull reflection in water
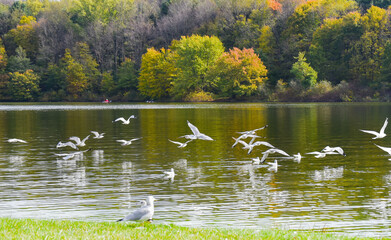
x: 98, y: 157
x: 78, y: 177
x: 328, y: 174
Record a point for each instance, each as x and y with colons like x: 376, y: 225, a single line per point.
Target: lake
x: 215, y: 185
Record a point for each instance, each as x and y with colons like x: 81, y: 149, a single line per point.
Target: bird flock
x: 146, y: 211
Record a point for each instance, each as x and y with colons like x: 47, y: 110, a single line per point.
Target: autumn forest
x: 195, y: 50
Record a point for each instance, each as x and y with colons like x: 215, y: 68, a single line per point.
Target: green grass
x: 59, y: 229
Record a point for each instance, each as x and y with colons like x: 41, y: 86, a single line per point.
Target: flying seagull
x: 78, y: 142
x: 126, y: 142
x: 329, y: 149
x: 16, y: 140
x: 271, y: 151
x: 380, y: 134
x: 253, y: 132
x: 181, y: 145
x: 196, y: 133
x: 386, y: 149
x: 124, y: 121
x: 251, y: 145
x: 145, y: 212
x: 97, y: 135
x: 69, y: 144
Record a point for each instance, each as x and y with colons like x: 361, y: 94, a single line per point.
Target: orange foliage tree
x: 238, y: 73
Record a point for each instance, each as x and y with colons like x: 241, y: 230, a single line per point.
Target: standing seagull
x: 16, y: 140
x: 196, y: 133
x: 380, y: 134
x: 124, y: 121
x: 125, y: 142
x: 145, y: 212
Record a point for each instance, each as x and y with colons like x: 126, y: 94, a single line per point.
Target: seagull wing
x: 134, y: 139
x: 179, y: 143
x: 386, y: 149
x: 193, y: 128
x: 281, y: 152
x: 139, y: 214
x: 70, y: 144
x: 314, y: 153
x: 120, y: 119
x: 76, y: 139
x: 384, y: 126
x: 370, y: 132
x: 95, y: 133
x: 257, y: 143
x: 85, y: 139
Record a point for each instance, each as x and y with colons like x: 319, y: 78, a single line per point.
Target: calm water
x: 215, y: 185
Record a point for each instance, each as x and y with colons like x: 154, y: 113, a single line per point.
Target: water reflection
x: 215, y: 184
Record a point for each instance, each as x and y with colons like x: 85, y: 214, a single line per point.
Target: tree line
x: 195, y: 50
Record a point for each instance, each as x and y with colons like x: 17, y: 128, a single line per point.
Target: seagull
x: 196, y: 133
x: 170, y: 174
x: 297, y: 157
x: 181, y: 145
x: 272, y: 150
x: 321, y: 154
x: 80, y: 143
x: 98, y: 135
x: 244, y: 136
x: 16, y: 140
x: 125, y: 142
x: 273, y: 166
x: 123, y: 119
x: 380, y: 134
x: 145, y: 212
x: 256, y: 160
x: 69, y: 144
x: 386, y: 149
x: 253, y: 132
x: 329, y: 149
x: 251, y: 145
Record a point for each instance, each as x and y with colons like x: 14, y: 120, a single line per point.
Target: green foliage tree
x: 3, y: 57
x: 194, y: 56
x: 76, y: 79
x: 366, y: 4
x: 53, y: 79
x: 157, y: 73
x: 19, y: 62
x: 3, y: 75
x: 83, y: 56
x: 23, y: 86
x: 24, y: 35
x: 329, y: 52
x: 300, y: 26
x: 127, y: 76
x: 303, y: 72
x: 369, y: 49
x: 238, y: 73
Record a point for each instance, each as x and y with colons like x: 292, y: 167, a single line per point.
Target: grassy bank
x: 55, y: 229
